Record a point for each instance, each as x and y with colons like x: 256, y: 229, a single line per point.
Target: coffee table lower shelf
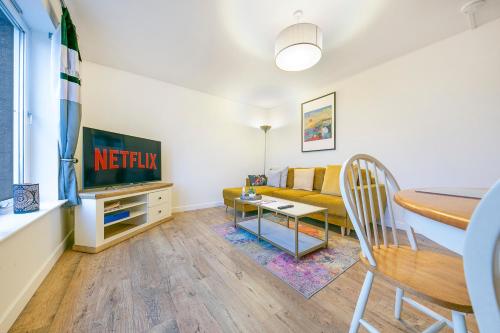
x: 282, y: 237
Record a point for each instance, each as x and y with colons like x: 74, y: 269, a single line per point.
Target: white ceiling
x: 226, y: 47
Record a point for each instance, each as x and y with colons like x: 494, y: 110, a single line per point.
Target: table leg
x: 258, y: 222
x: 326, y: 229
x: 296, y: 238
x: 234, y: 205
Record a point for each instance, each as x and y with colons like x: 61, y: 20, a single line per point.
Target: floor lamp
x: 265, y: 128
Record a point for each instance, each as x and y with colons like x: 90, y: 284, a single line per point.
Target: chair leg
x: 361, y: 304
x: 436, y: 327
x: 458, y: 319
x: 342, y: 231
x: 398, y: 304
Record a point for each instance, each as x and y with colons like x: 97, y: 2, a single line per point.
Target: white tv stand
x: 148, y: 206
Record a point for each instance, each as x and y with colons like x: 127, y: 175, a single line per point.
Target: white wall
x: 208, y: 143
x: 432, y: 116
x: 28, y: 255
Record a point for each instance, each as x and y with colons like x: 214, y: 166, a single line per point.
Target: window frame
x: 20, y: 96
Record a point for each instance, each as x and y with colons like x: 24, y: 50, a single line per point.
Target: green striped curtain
x: 70, y: 109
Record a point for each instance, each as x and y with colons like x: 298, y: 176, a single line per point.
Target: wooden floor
x: 182, y: 277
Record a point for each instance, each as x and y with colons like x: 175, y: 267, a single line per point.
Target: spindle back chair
x: 424, y: 275
x: 482, y: 261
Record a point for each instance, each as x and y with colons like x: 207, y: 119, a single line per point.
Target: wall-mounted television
x: 118, y: 159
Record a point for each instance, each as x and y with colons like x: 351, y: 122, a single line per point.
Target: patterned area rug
x: 313, y: 272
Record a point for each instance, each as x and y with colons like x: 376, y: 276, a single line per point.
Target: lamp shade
x: 298, y: 47
x: 265, y: 128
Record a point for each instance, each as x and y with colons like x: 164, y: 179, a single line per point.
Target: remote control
x: 285, y: 206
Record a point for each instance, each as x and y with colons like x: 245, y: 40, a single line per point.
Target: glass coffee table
x: 292, y: 241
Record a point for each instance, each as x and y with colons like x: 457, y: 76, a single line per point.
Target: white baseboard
x: 400, y: 224
x: 186, y: 208
x: 29, y: 290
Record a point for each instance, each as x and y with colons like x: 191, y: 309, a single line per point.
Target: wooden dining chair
x: 482, y: 261
x: 432, y: 276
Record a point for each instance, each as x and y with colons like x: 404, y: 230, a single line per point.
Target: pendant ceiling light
x: 298, y: 47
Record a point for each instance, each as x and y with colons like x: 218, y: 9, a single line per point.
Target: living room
x: 282, y: 147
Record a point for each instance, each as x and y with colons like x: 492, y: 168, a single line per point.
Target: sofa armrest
x: 375, y: 200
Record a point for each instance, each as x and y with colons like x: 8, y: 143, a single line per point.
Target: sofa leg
x: 226, y: 208
x: 342, y: 231
x: 243, y: 214
x: 348, y: 231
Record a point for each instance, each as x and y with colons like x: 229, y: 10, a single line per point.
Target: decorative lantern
x: 26, y: 198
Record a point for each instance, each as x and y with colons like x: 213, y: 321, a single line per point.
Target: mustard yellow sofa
x: 337, y: 213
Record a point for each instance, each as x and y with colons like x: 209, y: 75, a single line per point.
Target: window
x: 12, y: 110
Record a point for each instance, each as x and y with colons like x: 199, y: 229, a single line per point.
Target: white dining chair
x: 432, y: 276
x: 482, y: 261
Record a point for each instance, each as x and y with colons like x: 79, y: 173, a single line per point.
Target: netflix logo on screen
x: 105, y: 159
x: 114, y: 159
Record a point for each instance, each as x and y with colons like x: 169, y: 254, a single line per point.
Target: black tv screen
x: 116, y: 159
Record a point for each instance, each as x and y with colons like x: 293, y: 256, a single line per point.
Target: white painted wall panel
x: 432, y: 116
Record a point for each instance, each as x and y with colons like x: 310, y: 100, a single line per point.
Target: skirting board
x: 185, y: 208
x: 29, y: 290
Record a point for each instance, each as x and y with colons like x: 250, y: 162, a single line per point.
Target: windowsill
x: 11, y: 223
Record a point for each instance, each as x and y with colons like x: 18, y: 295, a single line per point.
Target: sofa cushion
x: 303, y: 179
x: 335, y: 204
x: 289, y: 178
x: 373, y: 190
x: 283, y: 175
x: 319, y: 173
x: 331, y: 184
x: 233, y: 192
x: 257, y: 180
x: 274, y: 178
x: 291, y: 194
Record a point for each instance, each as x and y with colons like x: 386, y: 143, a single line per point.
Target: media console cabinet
x: 147, y: 205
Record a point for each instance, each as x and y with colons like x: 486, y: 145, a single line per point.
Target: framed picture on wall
x: 318, y: 124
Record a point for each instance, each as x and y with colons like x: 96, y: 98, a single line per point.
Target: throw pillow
x: 303, y: 179
x: 257, y: 180
x: 331, y: 182
x: 355, y: 173
x: 284, y: 176
x: 273, y: 179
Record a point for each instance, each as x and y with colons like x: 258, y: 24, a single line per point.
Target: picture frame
x: 318, y: 123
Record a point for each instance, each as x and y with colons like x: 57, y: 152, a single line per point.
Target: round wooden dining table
x: 439, y: 217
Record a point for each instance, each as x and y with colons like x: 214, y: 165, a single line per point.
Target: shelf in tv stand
x: 125, y: 206
x: 132, y: 216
